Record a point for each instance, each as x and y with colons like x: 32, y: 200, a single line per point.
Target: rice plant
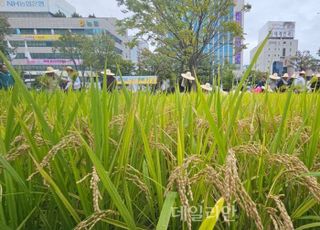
x: 123, y: 160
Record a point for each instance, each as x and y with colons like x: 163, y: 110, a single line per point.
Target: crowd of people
x: 298, y: 82
x: 51, y: 81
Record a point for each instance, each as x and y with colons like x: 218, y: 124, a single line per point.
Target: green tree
x: 71, y: 46
x: 93, y: 51
x: 227, y: 76
x: 99, y: 49
x: 182, y: 29
x: 4, y: 30
x: 155, y: 63
x: 304, y: 61
x: 76, y: 15
x: 59, y: 14
x: 257, y: 76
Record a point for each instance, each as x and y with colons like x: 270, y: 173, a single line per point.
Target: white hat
x: 285, y: 75
x: 69, y: 68
x: 318, y: 75
x: 188, y: 76
x: 274, y: 77
x: 206, y: 87
x: 303, y: 72
x: 50, y: 70
x: 108, y: 72
x: 294, y: 76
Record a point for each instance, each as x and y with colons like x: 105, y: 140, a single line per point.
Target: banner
x: 48, y: 62
x: 23, y: 5
x: 46, y: 37
x: 138, y: 80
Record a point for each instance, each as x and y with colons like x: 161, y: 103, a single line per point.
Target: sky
x: 306, y: 14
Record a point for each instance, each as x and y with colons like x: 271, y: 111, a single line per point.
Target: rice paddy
x: 123, y: 160
x: 127, y: 160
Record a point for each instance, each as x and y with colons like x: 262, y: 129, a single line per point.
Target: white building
x: 280, y: 48
x: 24, y: 7
x: 34, y: 31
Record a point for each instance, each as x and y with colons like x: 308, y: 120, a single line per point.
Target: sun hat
x: 108, y: 72
x: 318, y: 75
x: 68, y: 68
x: 50, y: 70
x: 188, y: 76
x: 303, y: 72
x: 285, y: 75
x: 206, y: 87
x: 274, y: 77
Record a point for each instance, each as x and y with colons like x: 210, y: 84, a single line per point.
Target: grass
x: 127, y: 160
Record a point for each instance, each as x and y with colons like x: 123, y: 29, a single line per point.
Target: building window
x: 26, y: 31
x: 61, y: 31
x: 44, y: 56
x: 32, y: 43
x: 13, y: 31
x: 44, y: 31
x: 78, y: 31
x: 284, y: 52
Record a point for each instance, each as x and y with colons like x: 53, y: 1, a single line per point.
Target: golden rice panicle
x: 234, y: 188
x: 90, y: 222
x: 70, y: 141
x: 133, y: 175
x: 94, y: 185
x: 180, y: 177
x: 286, y: 222
x: 298, y: 171
x: 275, y: 219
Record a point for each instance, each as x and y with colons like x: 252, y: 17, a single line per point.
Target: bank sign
x: 23, y: 5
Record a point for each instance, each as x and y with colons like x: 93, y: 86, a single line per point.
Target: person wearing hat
x: 314, y: 84
x: 74, y: 81
x: 300, y: 84
x: 186, y: 82
x: 282, y: 84
x: 6, y: 79
x: 291, y: 79
x: 111, y: 80
x: 273, y: 82
x: 206, y: 87
x: 49, y: 81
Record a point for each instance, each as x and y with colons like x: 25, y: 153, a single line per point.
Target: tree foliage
x: 4, y: 30
x: 182, y: 29
x: 59, y: 14
x: 71, y: 45
x: 305, y: 61
x: 154, y: 63
x: 94, y: 51
x: 76, y: 15
x: 227, y: 76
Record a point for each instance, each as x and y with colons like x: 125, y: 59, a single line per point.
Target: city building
x: 227, y: 48
x: 135, y: 52
x: 34, y: 31
x: 280, y: 48
x: 35, y: 8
